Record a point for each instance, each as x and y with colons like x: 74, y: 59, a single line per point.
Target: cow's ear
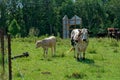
x: 79, y: 32
x: 72, y: 38
x: 89, y: 32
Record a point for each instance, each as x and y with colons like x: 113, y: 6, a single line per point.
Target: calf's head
x: 38, y: 44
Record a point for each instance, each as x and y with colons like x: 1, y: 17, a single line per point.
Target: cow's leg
x: 78, y: 58
x: 74, y: 51
x: 76, y: 54
x: 83, y: 55
x: 79, y: 54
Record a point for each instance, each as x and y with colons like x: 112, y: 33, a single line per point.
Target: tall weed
x: 114, y: 43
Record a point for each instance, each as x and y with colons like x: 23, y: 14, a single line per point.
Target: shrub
x: 14, y: 28
x: 33, y: 32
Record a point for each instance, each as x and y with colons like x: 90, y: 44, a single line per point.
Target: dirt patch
x: 46, y: 72
x: 77, y: 75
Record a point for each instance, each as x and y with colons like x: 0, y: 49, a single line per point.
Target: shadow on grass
x: 55, y: 56
x: 46, y: 72
x: 60, y: 55
x: 48, y: 59
x: 87, y: 61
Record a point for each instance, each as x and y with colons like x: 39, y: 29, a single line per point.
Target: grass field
x: 102, y: 61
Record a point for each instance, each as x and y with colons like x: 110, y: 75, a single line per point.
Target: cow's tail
x: 72, y: 41
x: 71, y: 49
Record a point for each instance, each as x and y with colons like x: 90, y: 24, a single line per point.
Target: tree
x: 46, y: 15
x: 14, y: 28
x: 3, y: 14
x: 113, y: 12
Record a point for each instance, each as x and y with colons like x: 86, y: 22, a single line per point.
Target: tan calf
x: 46, y: 43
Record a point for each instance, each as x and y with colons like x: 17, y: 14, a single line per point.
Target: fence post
x: 2, y: 48
x: 9, y: 57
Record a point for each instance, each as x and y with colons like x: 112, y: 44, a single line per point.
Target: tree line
x: 39, y: 17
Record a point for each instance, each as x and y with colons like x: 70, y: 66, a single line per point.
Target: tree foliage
x: 46, y: 15
x: 14, y: 28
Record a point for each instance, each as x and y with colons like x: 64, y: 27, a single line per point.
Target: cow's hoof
x: 78, y: 59
x: 83, y: 58
x: 74, y: 56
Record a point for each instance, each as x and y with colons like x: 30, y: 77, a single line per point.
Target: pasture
x: 102, y: 61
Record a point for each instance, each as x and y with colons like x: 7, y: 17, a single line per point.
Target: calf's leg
x: 45, y: 52
x: 52, y: 51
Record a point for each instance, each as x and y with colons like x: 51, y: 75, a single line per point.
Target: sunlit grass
x: 101, y: 63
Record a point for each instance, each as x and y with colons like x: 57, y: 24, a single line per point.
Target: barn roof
x: 65, y: 17
x: 75, y: 17
x: 75, y: 20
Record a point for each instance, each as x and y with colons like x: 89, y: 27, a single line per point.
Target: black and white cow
x: 79, y: 41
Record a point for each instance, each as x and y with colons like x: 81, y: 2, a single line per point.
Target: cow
x: 101, y: 34
x: 117, y: 35
x: 46, y: 43
x: 79, y: 41
x: 112, y: 32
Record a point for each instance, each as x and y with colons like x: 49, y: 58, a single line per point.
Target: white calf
x: 46, y: 43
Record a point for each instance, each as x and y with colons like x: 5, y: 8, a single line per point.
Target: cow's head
x: 75, y: 34
x: 84, y: 35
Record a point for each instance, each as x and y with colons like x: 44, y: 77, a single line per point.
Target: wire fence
x: 6, y: 59
x: 5, y: 56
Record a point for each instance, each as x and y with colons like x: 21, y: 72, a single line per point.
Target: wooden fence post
x: 2, y: 48
x: 9, y: 57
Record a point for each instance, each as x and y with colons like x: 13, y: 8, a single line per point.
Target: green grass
x: 102, y: 61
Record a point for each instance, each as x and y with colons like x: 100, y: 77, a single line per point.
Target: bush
x: 33, y: 32
x: 14, y: 28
